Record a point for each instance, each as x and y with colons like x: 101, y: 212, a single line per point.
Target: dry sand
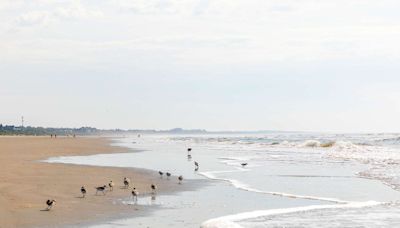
x: 26, y: 184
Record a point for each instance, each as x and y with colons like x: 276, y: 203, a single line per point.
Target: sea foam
x: 231, y: 220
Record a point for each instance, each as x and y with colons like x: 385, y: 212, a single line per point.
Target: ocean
x: 290, y: 180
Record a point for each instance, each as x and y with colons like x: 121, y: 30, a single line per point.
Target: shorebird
x: 101, y: 189
x: 153, y: 188
x: 83, y: 191
x: 50, y: 203
x: 180, y: 178
x: 196, y: 164
x: 135, y: 194
x: 243, y: 164
x: 168, y: 175
x: 161, y: 173
x: 189, y: 156
x: 126, y: 182
x: 111, y: 185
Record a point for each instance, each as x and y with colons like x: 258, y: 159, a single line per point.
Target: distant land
x: 20, y: 130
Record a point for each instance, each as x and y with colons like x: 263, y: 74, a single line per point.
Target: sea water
x: 290, y: 180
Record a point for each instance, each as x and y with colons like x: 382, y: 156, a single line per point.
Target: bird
x: 83, y: 191
x: 101, y: 189
x: 161, y: 173
x: 196, y: 164
x: 50, y: 203
x: 189, y: 156
x: 153, y: 188
x: 180, y: 178
x: 168, y: 175
x: 135, y: 194
x: 111, y: 185
x: 244, y: 164
x: 126, y: 182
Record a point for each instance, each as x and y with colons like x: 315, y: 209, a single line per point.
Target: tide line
x: 230, y: 221
x: 242, y: 186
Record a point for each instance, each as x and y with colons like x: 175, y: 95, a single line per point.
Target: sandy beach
x: 26, y: 183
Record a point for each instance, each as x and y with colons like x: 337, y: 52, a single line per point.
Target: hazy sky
x: 316, y: 65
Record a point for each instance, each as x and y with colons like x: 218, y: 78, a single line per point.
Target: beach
x: 289, y: 179
x: 26, y: 183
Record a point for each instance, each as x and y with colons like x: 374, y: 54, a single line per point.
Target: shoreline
x: 29, y: 182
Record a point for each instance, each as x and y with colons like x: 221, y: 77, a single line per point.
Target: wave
x: 390, y: 140
x: 311, y: 143
x: 239, y: 185
x: 231, y: 220
x: 336, y: 145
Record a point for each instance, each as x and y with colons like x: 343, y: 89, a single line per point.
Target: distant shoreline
x: 91, y: 131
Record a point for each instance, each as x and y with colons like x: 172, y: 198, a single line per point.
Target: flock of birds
x: 127, y: 182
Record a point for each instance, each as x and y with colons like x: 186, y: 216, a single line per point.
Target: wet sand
x: 26, y: 183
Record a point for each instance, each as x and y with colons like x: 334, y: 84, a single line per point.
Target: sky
x: 302, y: 65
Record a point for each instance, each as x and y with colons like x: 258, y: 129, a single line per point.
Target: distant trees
x: 18, y: 130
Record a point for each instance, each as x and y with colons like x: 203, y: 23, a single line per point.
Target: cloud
x: 77, y: 10
x: 33, y: 18
x: 210, y: 31
x: 201, y: 7
x: 155, y: 6
x: 54, y: 13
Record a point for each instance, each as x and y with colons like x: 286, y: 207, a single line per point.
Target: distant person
x: 74, y: 135
x: 51, y: 136
x: 55, y: 136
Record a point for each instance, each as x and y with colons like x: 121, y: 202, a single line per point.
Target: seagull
x: 135, y: 194
x: 126, y: 182
x: 168, y: 175
x: 101, y: 189
x: 244, y: 164
x: 83, y: 190
x: 180, y: 178
x: 50, y: 203
x: 153, y: 188
x: 161, y: 173
x: 189, y: 149
x: 196, y: 164
x: 111, y: 185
